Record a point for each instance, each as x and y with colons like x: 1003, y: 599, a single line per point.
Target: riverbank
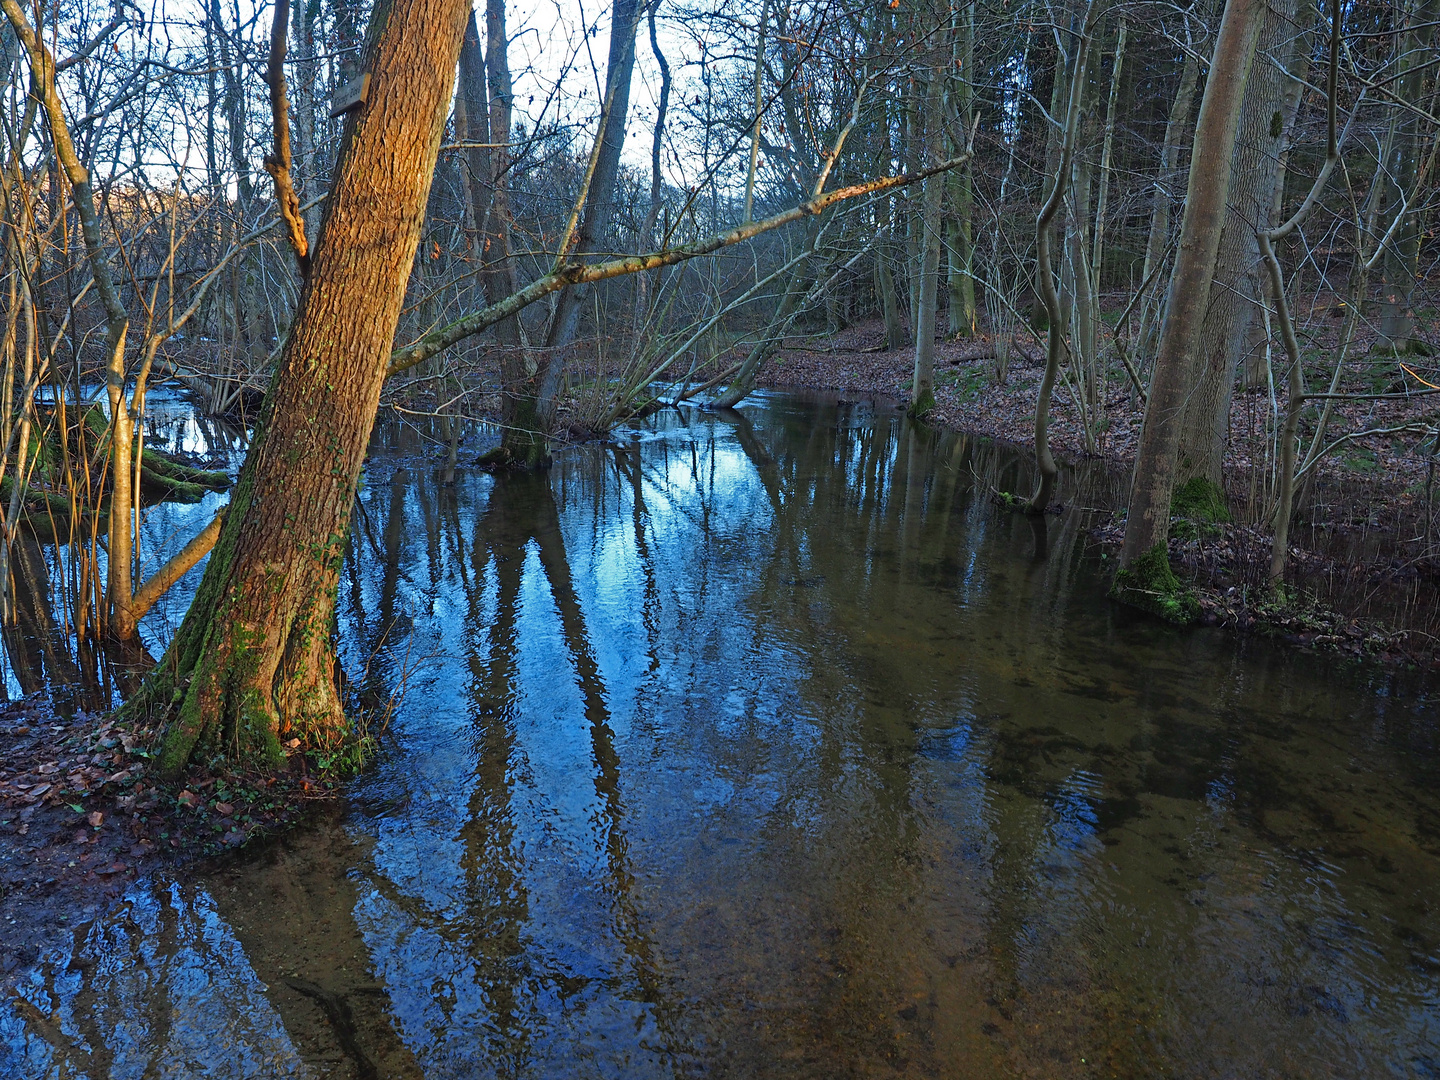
x: 82, y: 817
x: 1364, y: 569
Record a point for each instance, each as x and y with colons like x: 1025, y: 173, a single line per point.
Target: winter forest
x: 620, y: 519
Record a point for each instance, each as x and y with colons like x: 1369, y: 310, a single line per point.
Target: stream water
x: 764, y: 744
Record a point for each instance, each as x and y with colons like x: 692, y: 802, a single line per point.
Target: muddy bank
x: 1364, y: 569
x: 82, y: 817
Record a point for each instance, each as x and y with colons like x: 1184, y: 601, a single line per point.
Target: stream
x: 764, y: 744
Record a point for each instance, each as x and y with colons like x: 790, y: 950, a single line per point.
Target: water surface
x: 764, y: 744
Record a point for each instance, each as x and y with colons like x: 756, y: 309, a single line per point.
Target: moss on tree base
x: 1149, y: 584
x: 922, y: 406
x: 1199, y: 499
x: 1197, y: 507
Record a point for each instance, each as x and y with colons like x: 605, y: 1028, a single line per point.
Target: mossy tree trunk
x: 254, y: 661
x: 1147, y: 526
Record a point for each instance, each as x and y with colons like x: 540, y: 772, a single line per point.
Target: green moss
x: 163, y: 468
x: 251, y: 739
x: 1409, y: 347
x: 923, y: 405
x: 1197, y: 507
x: 1361, y: 459
x: 1149, y: 584
x: 1200, y: 500
x: 1010, y: 501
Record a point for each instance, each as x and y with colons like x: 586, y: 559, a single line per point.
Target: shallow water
x: 763, y: 744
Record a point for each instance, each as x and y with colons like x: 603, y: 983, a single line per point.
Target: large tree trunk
x: 1235, y: 290
x: 1401, y: 265
x: 254, y: 661
x: 1147, y: 526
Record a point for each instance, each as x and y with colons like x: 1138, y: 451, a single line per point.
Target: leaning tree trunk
x: 254, y: 661
x: 1147, y: 527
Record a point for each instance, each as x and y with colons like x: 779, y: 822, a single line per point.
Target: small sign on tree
x: 350, y: 96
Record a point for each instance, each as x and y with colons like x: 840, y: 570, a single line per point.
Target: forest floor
x: 81, y: 817
x: 1367, y: 544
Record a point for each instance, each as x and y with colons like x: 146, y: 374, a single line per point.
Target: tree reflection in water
x: 764, y: 743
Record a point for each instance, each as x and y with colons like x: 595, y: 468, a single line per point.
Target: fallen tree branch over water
x: 407, y: 357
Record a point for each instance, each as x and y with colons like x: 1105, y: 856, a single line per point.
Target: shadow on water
x: 761, y: 743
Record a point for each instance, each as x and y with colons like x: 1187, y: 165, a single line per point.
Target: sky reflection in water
x: 763, y: 744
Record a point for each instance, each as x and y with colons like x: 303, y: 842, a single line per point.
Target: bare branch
x: 278, y: 163
x: 576, y: 274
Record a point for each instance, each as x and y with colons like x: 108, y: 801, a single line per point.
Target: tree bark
x: 1162, y: 201
x: 303, y: 24
x: 254, y: 661
x: 600, y: 202
x: 1147, y: 526
x: 1235, y: 290
x: 922, y: 386
x: 960, y: 225
x: 482, y: 77
x: 885, y: 281
x: 1044, y: 271
x: 1401, y: 265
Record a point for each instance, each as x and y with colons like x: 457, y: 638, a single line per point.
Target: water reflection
x: 763, y: 744
x: 40, y: 647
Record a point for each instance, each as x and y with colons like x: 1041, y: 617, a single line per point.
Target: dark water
x: 764, y: 745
